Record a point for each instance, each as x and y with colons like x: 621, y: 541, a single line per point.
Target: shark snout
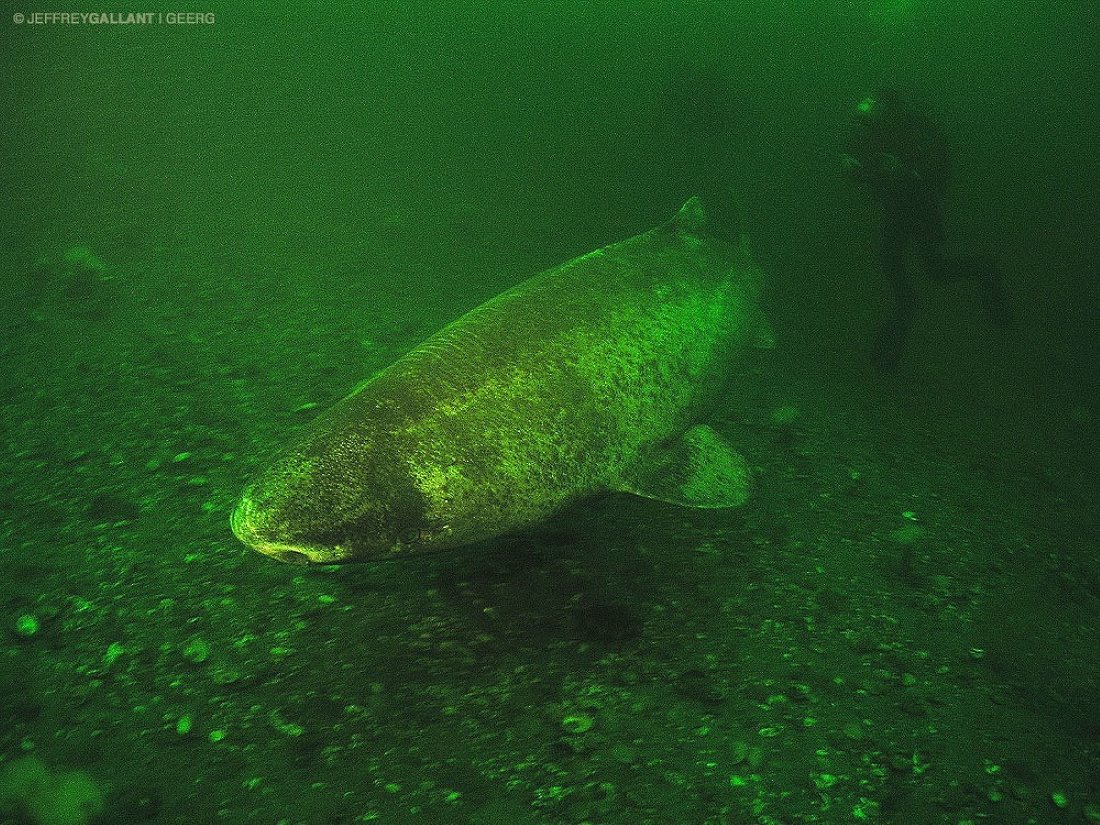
x: 252, y: 525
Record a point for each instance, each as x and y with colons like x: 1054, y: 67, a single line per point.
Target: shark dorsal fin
x: 691, y: 219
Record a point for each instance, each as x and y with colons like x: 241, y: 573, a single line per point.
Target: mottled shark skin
x: 592, y: 376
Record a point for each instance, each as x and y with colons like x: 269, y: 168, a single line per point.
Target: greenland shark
x: 593, y: 376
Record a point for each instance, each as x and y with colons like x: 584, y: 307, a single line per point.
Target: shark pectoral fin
x: 697, y: 469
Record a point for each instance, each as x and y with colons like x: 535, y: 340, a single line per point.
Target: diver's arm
x: 857, y: 158
x: 853, y: 164
x: 883, y: 166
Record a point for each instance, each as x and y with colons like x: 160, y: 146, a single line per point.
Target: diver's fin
x: 699, y: 468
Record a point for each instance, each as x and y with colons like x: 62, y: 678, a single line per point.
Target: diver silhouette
x: 901, y: 155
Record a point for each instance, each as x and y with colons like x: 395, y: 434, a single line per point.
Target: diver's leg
x: 986, y: 270
x: 983, y: 268
x: 891, y: 334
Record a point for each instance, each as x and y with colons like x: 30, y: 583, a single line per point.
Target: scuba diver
x: 902, y: 157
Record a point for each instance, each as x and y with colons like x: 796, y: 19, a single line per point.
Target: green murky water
x: 218, y: 225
